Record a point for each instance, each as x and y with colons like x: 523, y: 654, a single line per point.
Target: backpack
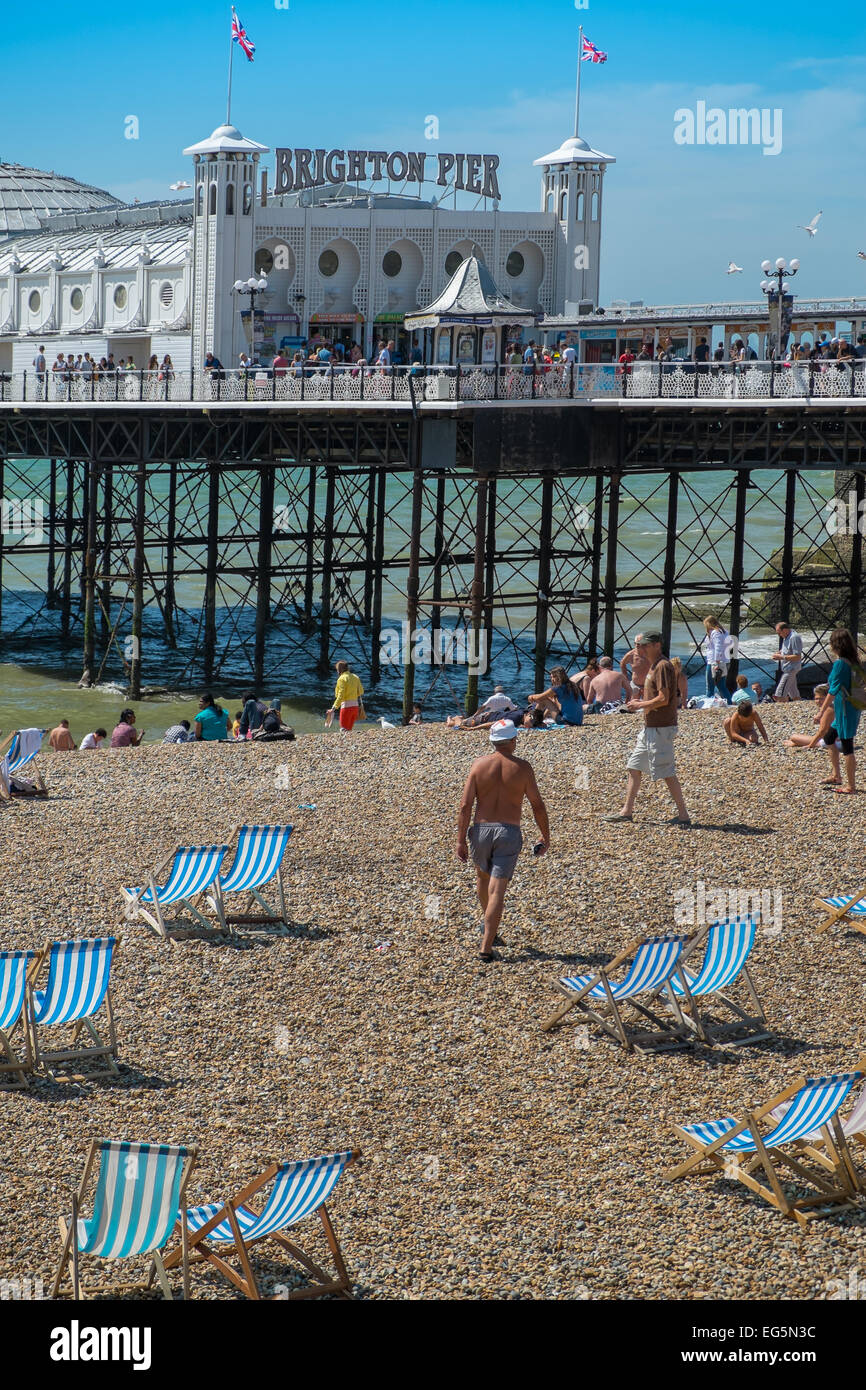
x: 857, y: 694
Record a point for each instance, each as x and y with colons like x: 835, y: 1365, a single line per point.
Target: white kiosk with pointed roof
x: 469, y: 307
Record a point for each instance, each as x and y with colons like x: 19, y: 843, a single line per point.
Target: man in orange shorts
x: 347, y: 698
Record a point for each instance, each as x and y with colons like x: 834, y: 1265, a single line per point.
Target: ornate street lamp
x: 775, y: 287
x: 257, y: 284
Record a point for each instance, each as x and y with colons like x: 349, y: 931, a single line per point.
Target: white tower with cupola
x: 224, y: 202
x: 572, y: 187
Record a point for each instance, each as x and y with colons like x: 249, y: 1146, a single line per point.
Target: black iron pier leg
x: 787, y: 584
x: 595, y: 576
x: 477, y: 594
x: 670, y: 561
x: 210, y: 590
x: 309, y: 565
x: 737, y: 570
x: 412, y: 590
x: 105, y: 563
x: 51, y: 591
x: 89, y: 571
x: 543, y: 595
x: 327, y: 573
x: 171, y: 530
x: 369, y: 545
x: 378, y: 565
x: 263, y: 591
x: 66, y: 611
x: 610, y: 565
x: 438, y: 547
x: 2, y: 533
x: 490, y: 569
x: 138, y: 580
x: 856, y: 558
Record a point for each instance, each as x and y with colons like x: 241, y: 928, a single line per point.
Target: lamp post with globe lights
x: 256, y: 284
x: 775, y: 286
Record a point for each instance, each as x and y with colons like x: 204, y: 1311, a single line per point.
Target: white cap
x: 503, y: 731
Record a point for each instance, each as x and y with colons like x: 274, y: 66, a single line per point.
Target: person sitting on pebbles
x: 824, y: 722
x: 744, y: 725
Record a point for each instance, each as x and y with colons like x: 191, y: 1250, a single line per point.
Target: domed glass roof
x: 28, y: 194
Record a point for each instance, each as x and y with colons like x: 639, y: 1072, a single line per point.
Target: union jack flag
x: 591, y: 54
x: 239, y: 36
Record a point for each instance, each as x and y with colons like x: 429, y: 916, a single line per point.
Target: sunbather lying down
x: 484, y: 719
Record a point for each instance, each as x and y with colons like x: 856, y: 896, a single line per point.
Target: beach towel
x: 29, y: 742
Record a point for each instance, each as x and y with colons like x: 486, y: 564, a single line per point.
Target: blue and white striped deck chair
x: 727, y: 947
x: 842, y: 907
x: 258, y: 860
x: 194, y: 870
x: 653, y: 961
x: 139, y: 1200
x: 79, y: 982
x: 23, y: 746
x: 299, y: 1190
x: 13, y: 993
x: 739, y: 1150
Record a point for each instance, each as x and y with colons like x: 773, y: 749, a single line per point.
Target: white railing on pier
x: 417, y: 385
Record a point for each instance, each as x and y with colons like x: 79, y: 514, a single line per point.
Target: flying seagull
x: 733, y: 268
x: 813, y: 225
x: 862, y: 255
x: 181, y: 183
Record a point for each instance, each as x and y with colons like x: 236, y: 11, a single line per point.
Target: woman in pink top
x: 124, y: 734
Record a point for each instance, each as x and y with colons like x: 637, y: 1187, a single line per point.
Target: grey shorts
x: 495, y: 847
x: 654, y: 753
x: 787, y: 689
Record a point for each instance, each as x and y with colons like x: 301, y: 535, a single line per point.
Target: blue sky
x: 500, y: 78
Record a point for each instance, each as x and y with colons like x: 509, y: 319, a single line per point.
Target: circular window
x: 452, y: 261
x: 120, y: 297
x: 392, y: 263
x: 264, y: 261
x: 328, y: 263
x: 34, y: 302
x: 166, y: 295
x: 76, y: 299
x: 514, y: 265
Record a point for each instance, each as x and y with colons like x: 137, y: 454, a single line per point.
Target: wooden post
x: 737, y: 566
x: 309, y: 569
x: 66, y: 612
x: 327, y: 572
x: 670, y: 559
x: 412, y: 583
x: 51, y: 592
x: 169, y: 604
x: 610, y: 565
x: 477, y: 594
x: 210, y: 588
x: 544, y: 575
x: 263, y: 590
x: 89, y: 570
x: 137, y: 580
x: 595, y: 574
x: 378, y: 563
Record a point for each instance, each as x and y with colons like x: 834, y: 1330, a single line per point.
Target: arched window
x: 563, y: 208
x: 548, y: 203
x: 248, y: 199
x: 230, y: 199
x: 199, y: 200
x: 213, y: 200
x: 595, y: 207
x: 579, y: 207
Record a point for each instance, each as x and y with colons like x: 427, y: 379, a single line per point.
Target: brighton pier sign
x: 298, y: 169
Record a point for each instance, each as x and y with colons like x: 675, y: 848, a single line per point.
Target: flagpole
x: 577, y: 91
x: 231, y: 56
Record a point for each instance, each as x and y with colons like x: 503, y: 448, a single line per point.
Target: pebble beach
x: 498, y: 1161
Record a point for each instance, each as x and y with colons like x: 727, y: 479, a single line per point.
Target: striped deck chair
x: 78, y: 983
x: 299, y: 1190
x: 194, y: 870
x: 13, y: 992
x: 739, y: 1150
x: 845, y: 907
x: 138, y: 1202
x: 727, y: 947
x: 653, y: 961
x: 23, y: 745
x: 258, y: 859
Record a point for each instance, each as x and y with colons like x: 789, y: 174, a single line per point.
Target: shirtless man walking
x: 636, y: 660
x: 496, y: 786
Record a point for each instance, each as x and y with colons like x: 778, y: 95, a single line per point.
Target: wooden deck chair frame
x: 71, y: 1255
x: 664, y: 1037
x: 11, y: 1064
x: 244, y: 1278
x: 267, y: 917
x: 694, y: 1010
x: 99, y: 1049
x: 152, y: 914
x: 834, y: 916
x: 836, y: 1159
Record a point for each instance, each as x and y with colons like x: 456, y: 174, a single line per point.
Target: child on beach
x: 742, y: 692
x: 824, y: 722
x: 744, y: 725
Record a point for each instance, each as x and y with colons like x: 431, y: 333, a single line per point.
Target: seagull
x: 862, y: 255
x: 385, y: 725
x: 181, y: 183
x: 733, y: 268
x: 813, y: 225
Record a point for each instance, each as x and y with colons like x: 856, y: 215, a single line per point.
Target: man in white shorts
x: 654, y: 751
